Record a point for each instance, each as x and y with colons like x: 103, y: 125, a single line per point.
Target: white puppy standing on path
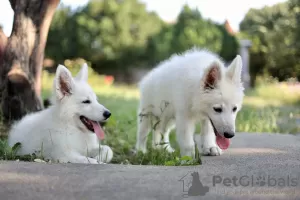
x: 67, y: 131
x: 185, y: 89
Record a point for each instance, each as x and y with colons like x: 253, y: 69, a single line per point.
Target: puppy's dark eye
x: 234, y: 108
x: 218, y: 110
x: 86, y: 101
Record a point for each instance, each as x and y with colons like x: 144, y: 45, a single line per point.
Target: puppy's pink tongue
x: 222, y: 142
x: 98, y: 130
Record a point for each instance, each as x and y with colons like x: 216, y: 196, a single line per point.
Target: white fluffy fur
x: 57, y: 133
x: 174, y: 93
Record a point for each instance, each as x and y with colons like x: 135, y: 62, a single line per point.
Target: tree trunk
x: 21, y: 57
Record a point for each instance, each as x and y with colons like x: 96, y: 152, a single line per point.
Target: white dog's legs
x: 208, y: 140
x: 105, y: 154
x: 74, y: 157
x: 102, y: 153
x: 161, y: 137
x: 157, y: 137
x: 185, y: 128
x: 142, y: 133
x: 166, y: 140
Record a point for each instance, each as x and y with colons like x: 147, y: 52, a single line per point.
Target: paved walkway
x: 257, y: 166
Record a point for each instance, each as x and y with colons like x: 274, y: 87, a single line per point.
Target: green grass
x: 269, y: 108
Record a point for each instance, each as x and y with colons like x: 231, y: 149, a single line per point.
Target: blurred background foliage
x: 274, y: 32
x: 119, y: 35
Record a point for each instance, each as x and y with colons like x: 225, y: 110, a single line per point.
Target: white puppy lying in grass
x: 67, y: 131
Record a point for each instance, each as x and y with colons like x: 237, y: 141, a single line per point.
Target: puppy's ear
x: 212, y: 76
x: 64, y: 83
x: 83, y: 73
x: 234, y: 71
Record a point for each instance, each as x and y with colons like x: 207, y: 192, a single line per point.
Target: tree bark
x: 3, y: 42
x: 21, y: 57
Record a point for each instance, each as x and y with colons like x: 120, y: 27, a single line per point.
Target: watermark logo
x: 192, y: 186
x: 253, y: 181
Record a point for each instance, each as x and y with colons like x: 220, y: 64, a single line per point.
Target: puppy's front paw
x: 91, y: 161
x: 76, y: 159
x: 166, y: 147
x: 140, y: 148
x: 105, y: 155
x: 169, y: 149
x: 188, y: 151
x: 212, y: 151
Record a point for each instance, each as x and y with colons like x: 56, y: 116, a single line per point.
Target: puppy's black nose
x: 106, y: 114
x: 228, y: 134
